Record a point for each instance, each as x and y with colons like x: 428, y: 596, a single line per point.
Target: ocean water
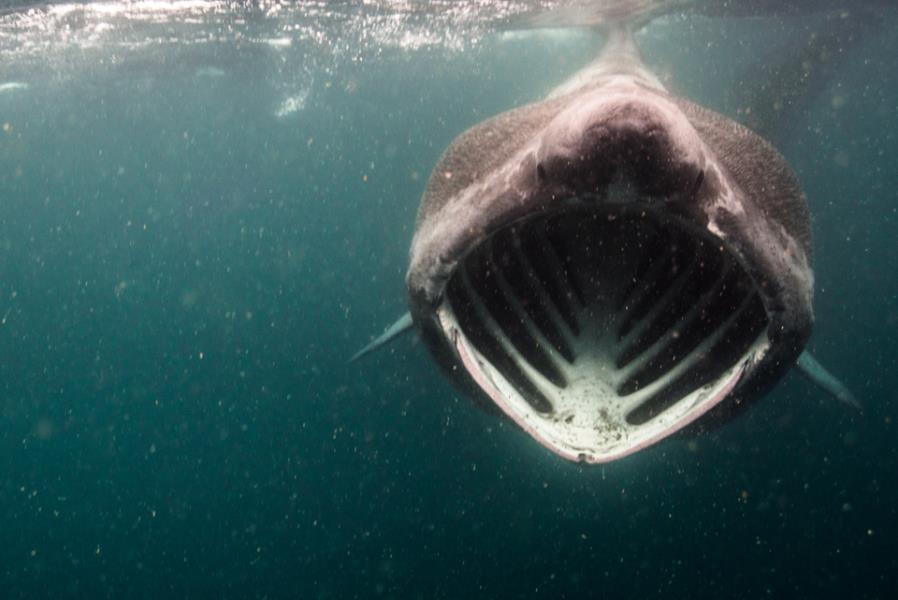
x: 206, y: 208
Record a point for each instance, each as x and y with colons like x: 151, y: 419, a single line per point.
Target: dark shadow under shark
x: 613, y: 264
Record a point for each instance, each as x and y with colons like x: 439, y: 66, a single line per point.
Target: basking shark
x: 613, y: 264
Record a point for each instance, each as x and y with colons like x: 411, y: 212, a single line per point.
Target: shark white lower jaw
x: 603, y: 330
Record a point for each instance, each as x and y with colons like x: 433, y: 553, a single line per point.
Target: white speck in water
x: 292, y: 104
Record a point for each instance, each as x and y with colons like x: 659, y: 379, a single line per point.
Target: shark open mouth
x: 603, y: 330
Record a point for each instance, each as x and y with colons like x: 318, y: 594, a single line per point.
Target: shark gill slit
x: 647, y: 298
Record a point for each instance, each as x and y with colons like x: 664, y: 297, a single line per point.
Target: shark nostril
x: 540, y: 172
x: 699, y: 180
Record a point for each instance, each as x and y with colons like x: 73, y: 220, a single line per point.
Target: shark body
x: 613, y: 264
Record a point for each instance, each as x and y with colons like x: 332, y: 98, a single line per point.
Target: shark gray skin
x: 612, y: 264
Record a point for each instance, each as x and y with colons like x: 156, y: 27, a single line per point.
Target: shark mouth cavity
x: 601, y: 331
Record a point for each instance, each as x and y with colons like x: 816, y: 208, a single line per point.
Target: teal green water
x: 187, y: 264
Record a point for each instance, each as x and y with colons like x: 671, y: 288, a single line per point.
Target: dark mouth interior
x: 663, y: 302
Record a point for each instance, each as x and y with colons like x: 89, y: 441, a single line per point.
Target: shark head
x: 611, y: 265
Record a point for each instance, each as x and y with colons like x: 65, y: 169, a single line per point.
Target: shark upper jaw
x: 620, y: 138
x: 600, y: 288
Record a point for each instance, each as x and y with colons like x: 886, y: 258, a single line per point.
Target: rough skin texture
x: 758, y: 169
x: 483, y: 148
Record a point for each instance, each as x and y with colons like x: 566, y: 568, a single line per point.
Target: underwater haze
x: 206, y: 208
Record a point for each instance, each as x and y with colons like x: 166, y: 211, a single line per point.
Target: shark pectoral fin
x: 403, y: 324
x: 825, y: 380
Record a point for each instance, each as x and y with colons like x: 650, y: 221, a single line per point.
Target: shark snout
x: 641, y: 144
